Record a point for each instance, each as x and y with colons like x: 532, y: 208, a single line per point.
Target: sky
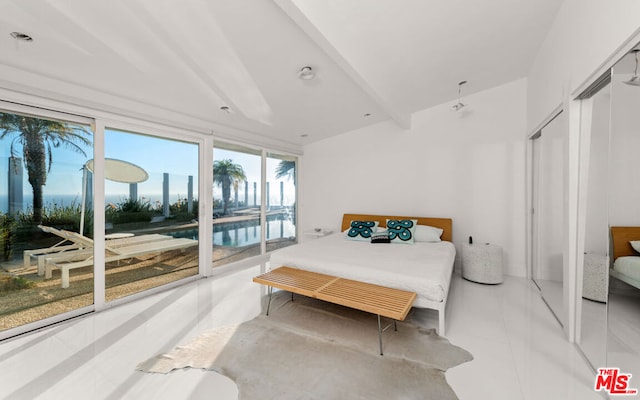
x: 154, y: 155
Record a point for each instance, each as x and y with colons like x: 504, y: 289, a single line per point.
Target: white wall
x: 468, y: 165
x: 584, y: 34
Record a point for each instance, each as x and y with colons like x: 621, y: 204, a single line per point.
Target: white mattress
x: 423, y: 268
x: 629, y: 266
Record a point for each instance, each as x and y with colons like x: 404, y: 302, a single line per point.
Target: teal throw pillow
x: 402, y: 230
x: 362, y: 230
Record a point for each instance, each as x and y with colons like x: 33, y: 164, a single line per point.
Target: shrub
x: 12, y: 283
x: 129, y: 211
x: 8, y: 226
x: 57, y: 216
x: 179, y: 210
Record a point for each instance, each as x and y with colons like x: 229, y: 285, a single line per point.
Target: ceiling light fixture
x: 306, y: 73
x: 635, y: 80
x: 21, y: 36
x: 459, y: 105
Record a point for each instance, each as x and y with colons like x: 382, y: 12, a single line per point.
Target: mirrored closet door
x: 623, y: 318
x: 592, y: 330
x: 548, y: 214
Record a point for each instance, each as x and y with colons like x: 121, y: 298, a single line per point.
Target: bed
x: 422, y: 267
x: 626, y: 260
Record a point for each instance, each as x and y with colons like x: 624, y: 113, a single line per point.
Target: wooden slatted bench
x: 375, y: 299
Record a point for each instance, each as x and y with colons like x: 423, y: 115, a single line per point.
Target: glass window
x: 281, y: 201
x: 151, y: 212
x: 41, y: 204
x: 237, y: 202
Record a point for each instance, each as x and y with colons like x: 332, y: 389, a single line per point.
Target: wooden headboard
x: 443, y: 223
x: 620, y: 237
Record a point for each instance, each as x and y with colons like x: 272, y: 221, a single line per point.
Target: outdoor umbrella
x: 114, y: 170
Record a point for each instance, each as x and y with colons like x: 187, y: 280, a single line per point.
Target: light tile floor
x: 519, y: 349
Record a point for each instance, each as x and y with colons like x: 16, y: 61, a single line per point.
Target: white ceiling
x: 169, y: 58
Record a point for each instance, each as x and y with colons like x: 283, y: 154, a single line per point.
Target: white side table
x: 482, y: 263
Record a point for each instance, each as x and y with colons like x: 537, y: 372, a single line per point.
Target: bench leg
x: 381, y: 330
x: 380, y: 334
x: 270, y: 295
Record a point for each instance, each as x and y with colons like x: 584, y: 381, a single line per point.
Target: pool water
x: 239, y: 234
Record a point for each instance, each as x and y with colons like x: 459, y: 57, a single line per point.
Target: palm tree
x: 286, y: 168
x: 37, y: 137
x: 225, y: 173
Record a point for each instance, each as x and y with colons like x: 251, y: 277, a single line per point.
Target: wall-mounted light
x: 306, y: 73
x: 21, y: 36
x: 459, y: 105
x: 635, y: 80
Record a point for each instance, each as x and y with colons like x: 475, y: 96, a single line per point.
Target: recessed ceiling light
x: 367, y: 115
x: 21, y: 36
x: 226, y: 109
x: 304, y: 135
x: 306, y: 73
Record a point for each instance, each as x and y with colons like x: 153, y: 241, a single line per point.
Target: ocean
x: 66, y: 200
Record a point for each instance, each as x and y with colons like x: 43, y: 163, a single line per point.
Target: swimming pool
x: 244, y: 233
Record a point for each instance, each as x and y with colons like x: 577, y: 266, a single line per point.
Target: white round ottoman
x: 595, y: 278
x: 482, y: 263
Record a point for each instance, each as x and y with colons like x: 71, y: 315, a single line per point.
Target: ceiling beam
x: 298, y: 17
x: 168, y: 41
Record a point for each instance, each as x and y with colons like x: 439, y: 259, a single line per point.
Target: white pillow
x: 635, y: 244
x: 426, y: 233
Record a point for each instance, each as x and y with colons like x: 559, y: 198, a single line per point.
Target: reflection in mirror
x: 593, y: 322
x: 548, y: 195
x: 623, y: 319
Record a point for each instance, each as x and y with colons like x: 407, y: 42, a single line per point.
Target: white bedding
x: 424, y: 268
x: 629, y: 266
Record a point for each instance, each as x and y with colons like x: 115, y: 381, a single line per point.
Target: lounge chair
x: 80, y: 245
x: 116, y: 249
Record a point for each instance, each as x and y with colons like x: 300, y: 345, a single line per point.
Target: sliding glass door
x: 143, y: 188
x: 254, y: 197
x: 237, y: 202
x: 151, y: 212
x: 42, y: 155
x: 281, y: 201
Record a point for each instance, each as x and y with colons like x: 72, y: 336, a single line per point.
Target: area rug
x: 309, y: 349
